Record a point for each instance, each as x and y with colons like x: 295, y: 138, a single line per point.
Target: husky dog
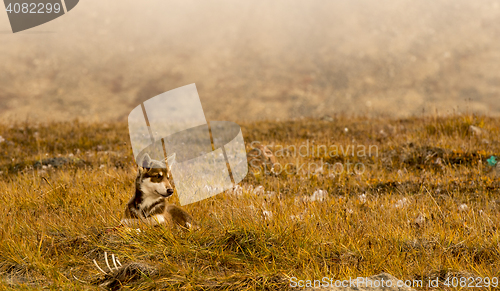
x: 149, y: 204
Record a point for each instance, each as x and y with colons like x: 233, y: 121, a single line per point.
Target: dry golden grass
x: 404, y: 215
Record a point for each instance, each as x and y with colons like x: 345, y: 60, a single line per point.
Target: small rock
x: 401, y: 203
x: 419, y: 221
x: 327, y: 118
x: 248, y: 188
x: 258, y: 190
x: 475, y: 130
x: 298, y: 217
x: 237, y: 190
x: 270, y: 194
x: 2, y: 139
x: 56, y: 162
x: 401, y: 173
x: 319, y: 195
x: 463, y: 207
x: 268, y: 215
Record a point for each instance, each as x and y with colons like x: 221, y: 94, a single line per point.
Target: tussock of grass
x: 404, y: 215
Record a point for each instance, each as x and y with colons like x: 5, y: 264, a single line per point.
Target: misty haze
x: 256, y: 60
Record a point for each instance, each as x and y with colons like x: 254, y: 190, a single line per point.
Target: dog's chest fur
x: 144, y: 207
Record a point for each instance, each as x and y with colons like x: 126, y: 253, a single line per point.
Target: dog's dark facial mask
x: 153, y: 177
x: 155, y: 181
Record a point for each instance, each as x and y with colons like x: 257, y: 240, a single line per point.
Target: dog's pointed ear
x: 171, y: 161
x: 146, y: 161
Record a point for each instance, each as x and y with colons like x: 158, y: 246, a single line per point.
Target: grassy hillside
x: 424, y: 202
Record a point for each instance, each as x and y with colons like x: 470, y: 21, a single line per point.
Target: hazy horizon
x: 254, y: 60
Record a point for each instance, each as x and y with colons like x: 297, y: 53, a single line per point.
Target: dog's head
x: 153, y: 177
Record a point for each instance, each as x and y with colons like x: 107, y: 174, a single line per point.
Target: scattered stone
x: 463, y: 207
x: 319, y: 195
x: 270, y: 194
x: 402, y: 203
x: 248, y: 188
x: 268, y: 215
x: 424, y: 245
x: 299, y: 217
x: 430, y: 157
x: 419, y: 221
x: 237, y: 190
x: 259, y: 190
x: 2, y: 139
x: 475, y: 130
x: 58, y: 162
x: 327, y: 118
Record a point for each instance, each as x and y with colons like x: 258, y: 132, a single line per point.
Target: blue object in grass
x: 492, y: 161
